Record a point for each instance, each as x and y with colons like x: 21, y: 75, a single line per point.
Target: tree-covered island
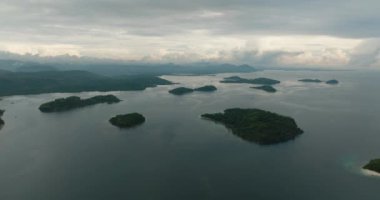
x: 373, y: 165
x: 258, y: 126
x: 1, y: 120
x: 259, y: 81
x: 207, y: 88
x: 185, y: 90
x: 332, y: 82
x: 266, y: 88
x: 127, y: 120
x: 73, y: 102
x: 310, y: 80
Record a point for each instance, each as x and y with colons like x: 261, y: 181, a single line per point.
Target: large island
x: 69, y: 103
x: 373, y: 165
x: 258, y: 126
x: 259, y: 81
x: 127, y: 120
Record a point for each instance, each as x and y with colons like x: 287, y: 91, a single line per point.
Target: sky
x: 289, y: 33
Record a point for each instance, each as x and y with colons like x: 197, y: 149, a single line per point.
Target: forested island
x: 181, y: 91
x: 73, y: 102
x: 310, y: 80
x: 266, y: 88
x: 332, y: 82
x: 258, y: 81
x: 185, y: 90
x: 22, y: 83
x: 207, y: 88
x: 258, y: 126
x: 373, y: 165
x: 1, y: 120
x: 127, y: 120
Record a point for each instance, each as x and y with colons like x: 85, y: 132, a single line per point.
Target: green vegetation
x: 259, y: 81
x: 128, y: 120
x: 184, y: 90
x: 20, y: 83
x: 373, y: 165
x: 311, y: 80
x: 266, y: 88
x: 257, y: 126
x: 207, y: 88
x: 332, y: 82
x: 69, y: 103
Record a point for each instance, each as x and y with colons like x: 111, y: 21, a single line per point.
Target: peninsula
x: 258, y: 126
x: 127, y: 120
x: 73, y: 102
x: 258, y: 81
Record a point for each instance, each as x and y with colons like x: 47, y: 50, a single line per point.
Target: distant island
x: 373, y: 165
x: 22, y: 83
x: 332, y: 82
x: 258, y: 126
x: 181, y: 91
x: 259, y: 81
x: 127, y: 120
x: 207, y: 88
x: 1, y: 120
x: 311, y: 80
x: 69, y: 103
x: 185, y: 90
x: 266, y: 88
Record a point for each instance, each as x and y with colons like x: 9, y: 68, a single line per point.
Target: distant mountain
x: 115, y: 68
x: 24, y: 66
x: 20, y: 83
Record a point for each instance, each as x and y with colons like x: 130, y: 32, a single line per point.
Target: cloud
x: 288, y: 32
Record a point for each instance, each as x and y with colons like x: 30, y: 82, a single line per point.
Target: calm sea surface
x: 79, y: 155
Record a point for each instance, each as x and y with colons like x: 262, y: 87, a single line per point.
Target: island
x: 207, y: 88
x: 266, y: 88
x: 311, y: 80
x: 181, y: 91
x: 127, y: 120
x: 373, y: 165
x: 258, y: 126
x: 332, y: 82
x: 184, y: 90
x: 1, y: 120
x: 73, y: 102
x: 259, y: 81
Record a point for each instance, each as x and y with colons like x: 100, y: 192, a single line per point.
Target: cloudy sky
x: 322, y: 33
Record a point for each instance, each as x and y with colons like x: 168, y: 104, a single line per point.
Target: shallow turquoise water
x: 177, y: 155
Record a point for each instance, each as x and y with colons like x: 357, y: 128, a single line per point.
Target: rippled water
x: 177, y: 155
